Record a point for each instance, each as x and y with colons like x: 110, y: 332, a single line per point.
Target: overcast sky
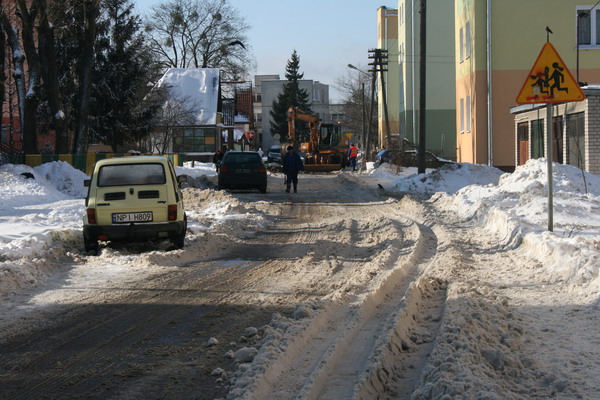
x: 327, y: 34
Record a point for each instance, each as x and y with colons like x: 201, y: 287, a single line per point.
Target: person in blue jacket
x: 292, y: 165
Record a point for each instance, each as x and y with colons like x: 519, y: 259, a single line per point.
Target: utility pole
x: 379, y: 64
x: 422, y: 91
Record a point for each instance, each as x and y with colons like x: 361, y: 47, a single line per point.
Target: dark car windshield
x: 131, y: 174
x: 275, y: 149
x: 242, y: 158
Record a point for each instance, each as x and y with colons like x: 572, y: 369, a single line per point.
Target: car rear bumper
x: 134, y: 231
x: 242, y: 181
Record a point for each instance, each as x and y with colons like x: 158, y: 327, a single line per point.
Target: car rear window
x: 242, y: 158
x: 131, y: 174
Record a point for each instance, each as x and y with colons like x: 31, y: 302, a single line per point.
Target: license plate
x: 145, y: 216
x: 243, y: 170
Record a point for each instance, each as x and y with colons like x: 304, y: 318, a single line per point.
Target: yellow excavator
x: 325, y: 151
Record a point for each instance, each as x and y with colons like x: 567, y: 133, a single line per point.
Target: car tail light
x: 224, y: 168
x: 172, y: 212
x: 262, y: 169
x: 91, y: 215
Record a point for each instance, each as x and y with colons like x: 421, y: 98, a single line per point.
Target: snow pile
x: 449, y: 179
x: 515, y: 208
x: 41, y: 221
x: 479, y: 353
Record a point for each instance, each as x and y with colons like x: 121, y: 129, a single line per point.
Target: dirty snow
x: 40, y: 230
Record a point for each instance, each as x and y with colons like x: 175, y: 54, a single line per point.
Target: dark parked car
x: 274, y: 155
x: 409, y: 159
x: 242, y: 170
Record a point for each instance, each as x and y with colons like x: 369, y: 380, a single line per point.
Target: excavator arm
x: 295, y: 113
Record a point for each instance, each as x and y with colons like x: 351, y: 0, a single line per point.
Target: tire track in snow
x: 334, y: 356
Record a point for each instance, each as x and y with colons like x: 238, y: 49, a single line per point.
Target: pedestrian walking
x: 352, y: 155
x: 292, y: 165
x: 217, y: 157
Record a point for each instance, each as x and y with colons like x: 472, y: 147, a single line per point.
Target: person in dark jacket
x: 292, y: 165
x: 217, y: 158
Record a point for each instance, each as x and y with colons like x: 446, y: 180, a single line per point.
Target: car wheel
x: 91, y: 246
x: 178, y: 241
x: 263, y: 189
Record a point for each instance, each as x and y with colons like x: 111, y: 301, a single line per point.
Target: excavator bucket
x: 325, y: 161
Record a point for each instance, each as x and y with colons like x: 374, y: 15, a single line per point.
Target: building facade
x: 440, y: 93
x: 497, y: 43
x: 267, y: 89
x: 575, y: 132
x: 387, y: 39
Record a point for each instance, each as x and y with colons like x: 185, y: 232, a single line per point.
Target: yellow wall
x: 518, y: 35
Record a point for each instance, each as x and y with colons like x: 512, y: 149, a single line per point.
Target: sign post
x: 549, y: 81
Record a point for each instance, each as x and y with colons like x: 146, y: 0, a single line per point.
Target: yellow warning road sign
x: 549, y: 81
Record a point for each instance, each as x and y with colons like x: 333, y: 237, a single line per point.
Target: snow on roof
x: 197, y: 86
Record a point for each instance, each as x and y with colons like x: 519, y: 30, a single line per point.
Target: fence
x: 82, y: 162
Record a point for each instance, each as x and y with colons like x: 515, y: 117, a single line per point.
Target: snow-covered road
x: 343, y: 290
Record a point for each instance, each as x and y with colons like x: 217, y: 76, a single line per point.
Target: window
x: 196, y: 140
x: 576, y: 139
x: 588, y: 26
x: 467, y: 40
x: 468, y: 114
x: 461, y: 45
x: 125, y: 174
x: 464, y: 42
x: 537, y: 138
x: 462, y: 115
x: 258, y: 117
x: 4, y: 135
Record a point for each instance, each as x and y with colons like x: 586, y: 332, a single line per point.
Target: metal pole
x: 549, y: 164
x: 385, y: 108
x: 577, y: 52
x: 364, y: 116
x: 422, y: 91
x: 368, y: 146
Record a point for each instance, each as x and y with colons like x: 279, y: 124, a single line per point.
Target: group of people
x: 292, y: 164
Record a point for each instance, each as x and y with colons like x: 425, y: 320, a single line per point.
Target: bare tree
x: 174, y: 112
x: 200, y: 34
x: 355, y: 87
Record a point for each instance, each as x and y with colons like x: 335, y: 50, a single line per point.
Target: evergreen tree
x: 121, y: 72
x: 292, y: 96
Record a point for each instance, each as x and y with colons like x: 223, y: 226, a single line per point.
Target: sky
x: 327, y: 35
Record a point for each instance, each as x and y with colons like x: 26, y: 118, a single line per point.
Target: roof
x: 132, y: 159
x: 196, y: 86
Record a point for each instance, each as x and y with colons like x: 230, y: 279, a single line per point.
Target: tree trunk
x: 50, y: 78
x: 2, y: 66
x: 17, y: 57
x: 91, y: 12
x: 32, y: 99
